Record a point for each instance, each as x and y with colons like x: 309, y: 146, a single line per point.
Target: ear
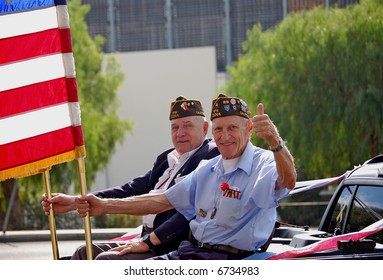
x: 205, y: 127
x: 249, y: 127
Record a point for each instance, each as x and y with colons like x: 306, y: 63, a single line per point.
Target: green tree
x: 98, y: 78
x: 320, y: 75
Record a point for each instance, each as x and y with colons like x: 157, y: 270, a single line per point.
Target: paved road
x: 38, y: 250
x: 36, y: 245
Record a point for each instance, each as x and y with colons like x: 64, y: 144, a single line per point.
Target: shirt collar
x: 174, y: 156
x: 245, y: 162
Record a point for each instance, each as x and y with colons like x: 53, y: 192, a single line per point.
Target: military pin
x: 213, y: 213
x: 202, y: 213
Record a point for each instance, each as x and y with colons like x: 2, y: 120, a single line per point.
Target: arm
x: 286, y: 169
x: 176, y: 228
x: 136, y: 245
x: 265, y: 129
x: 65, y: 203
x: 135, y: 205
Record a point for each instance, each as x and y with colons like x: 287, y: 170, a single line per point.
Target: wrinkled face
x: 231, y: 134
x: 188, y: 133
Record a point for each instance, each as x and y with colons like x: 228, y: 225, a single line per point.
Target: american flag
x: 40, y: 121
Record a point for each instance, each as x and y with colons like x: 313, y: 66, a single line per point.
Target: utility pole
x: 169, y: 24
x: 227, y: 32
x: 112, y: 26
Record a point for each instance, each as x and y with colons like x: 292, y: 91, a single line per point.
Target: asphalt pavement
x: 37, y: 245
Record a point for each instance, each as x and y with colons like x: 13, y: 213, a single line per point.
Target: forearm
x: 137, y: 205
x: 286, y: 168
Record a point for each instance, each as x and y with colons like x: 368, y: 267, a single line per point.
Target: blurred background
x: 316, y: 65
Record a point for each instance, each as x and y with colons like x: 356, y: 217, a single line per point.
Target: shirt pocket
x: 229, y: 212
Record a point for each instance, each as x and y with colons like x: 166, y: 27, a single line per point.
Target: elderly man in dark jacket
x: 188, y: 130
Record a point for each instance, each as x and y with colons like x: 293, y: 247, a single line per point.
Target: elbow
x: 290, y: 185
x: 288, y: 180
x: 291, y: 181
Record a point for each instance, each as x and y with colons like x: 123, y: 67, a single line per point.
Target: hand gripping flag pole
x: 86, y: 219
x: 51, y: 218
x: 40, y: 110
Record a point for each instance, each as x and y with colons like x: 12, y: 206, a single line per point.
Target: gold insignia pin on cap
x: 183, y: 107
x: 224, y: 106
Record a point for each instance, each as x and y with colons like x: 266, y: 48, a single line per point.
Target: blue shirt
x: 244, y: 220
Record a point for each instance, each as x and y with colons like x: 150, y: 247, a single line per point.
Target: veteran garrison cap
x: 183, y: 107
x: 224, y: 106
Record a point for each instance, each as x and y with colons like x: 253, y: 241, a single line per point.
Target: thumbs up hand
x: 264, y: 128
x: 260, y: 109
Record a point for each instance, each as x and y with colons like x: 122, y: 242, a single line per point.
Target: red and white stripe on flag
x: 40, y: 121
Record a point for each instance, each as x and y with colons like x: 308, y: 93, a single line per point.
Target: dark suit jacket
x: 177, y: 227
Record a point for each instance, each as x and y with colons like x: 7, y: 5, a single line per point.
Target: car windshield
x: 357, y: 208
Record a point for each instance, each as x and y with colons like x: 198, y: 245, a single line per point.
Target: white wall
x: 154, y: 79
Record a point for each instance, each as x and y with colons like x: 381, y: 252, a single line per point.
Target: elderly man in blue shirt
x: 230, y: 200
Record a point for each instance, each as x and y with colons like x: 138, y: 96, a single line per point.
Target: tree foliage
x: 98, y: 79
x: 320, y: 75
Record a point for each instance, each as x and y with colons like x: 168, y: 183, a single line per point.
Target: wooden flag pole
x: 86, y: 219
x: 52, y: 223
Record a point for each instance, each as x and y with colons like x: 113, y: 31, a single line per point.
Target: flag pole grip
x: 51, y: 217
x: 86, y: 219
